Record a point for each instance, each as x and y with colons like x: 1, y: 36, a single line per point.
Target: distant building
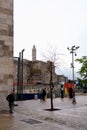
x: 61, y: 79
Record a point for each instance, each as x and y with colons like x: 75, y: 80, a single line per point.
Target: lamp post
x: 21, y: 73
x: 18, y: 75
x: 22, y: 69
x: 73, y: 51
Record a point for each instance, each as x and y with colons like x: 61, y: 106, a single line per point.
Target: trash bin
x: 35, y: 97
x: 53, y: 95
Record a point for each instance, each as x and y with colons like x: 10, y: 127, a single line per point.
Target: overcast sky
x: 59, y: 23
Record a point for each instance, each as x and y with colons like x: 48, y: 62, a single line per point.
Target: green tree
x: 83, y: 70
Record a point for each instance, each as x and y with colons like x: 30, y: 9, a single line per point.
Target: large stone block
x: 6, y: 4
x: 6, y: 50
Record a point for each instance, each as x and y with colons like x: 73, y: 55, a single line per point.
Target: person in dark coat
x: 74, y: 99
x: 62, y: 91
x: 43, y: 94
x: 70, y: 92
x: 10, y: 98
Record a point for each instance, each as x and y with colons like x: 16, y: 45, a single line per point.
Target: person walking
x: 62, y: 91
x: 43, y: 94
x: 10, y: 98
x: 73, y: 98
x: 70, y: 90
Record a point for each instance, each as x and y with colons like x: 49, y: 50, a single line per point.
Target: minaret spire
x: 34, y: 53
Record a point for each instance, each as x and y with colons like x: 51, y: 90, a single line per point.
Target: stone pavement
x: 32, y: 115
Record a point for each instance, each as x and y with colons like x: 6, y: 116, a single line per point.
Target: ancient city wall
x: 6, y: 50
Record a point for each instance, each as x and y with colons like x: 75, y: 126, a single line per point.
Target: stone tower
x: 6, y: 50
x: 34, y: 53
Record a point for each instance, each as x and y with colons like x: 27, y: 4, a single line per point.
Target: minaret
x: 34, y: 53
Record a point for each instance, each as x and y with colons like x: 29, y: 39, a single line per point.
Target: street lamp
x: 22, y: 69
x: 73, y: 51
x: 18, y: 75
x: 21, y: 58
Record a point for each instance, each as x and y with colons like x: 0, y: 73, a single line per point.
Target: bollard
x: 35, y: 97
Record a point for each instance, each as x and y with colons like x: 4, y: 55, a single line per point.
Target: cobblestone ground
x: 32, y: 114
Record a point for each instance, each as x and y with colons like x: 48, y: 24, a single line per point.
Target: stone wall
x: 6, y: 50
x: 26, y: 71
x: 35, y: 72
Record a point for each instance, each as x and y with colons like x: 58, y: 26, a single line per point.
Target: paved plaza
x: 33, y: 115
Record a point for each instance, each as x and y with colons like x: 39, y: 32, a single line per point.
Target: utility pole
x: 73, y: 51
